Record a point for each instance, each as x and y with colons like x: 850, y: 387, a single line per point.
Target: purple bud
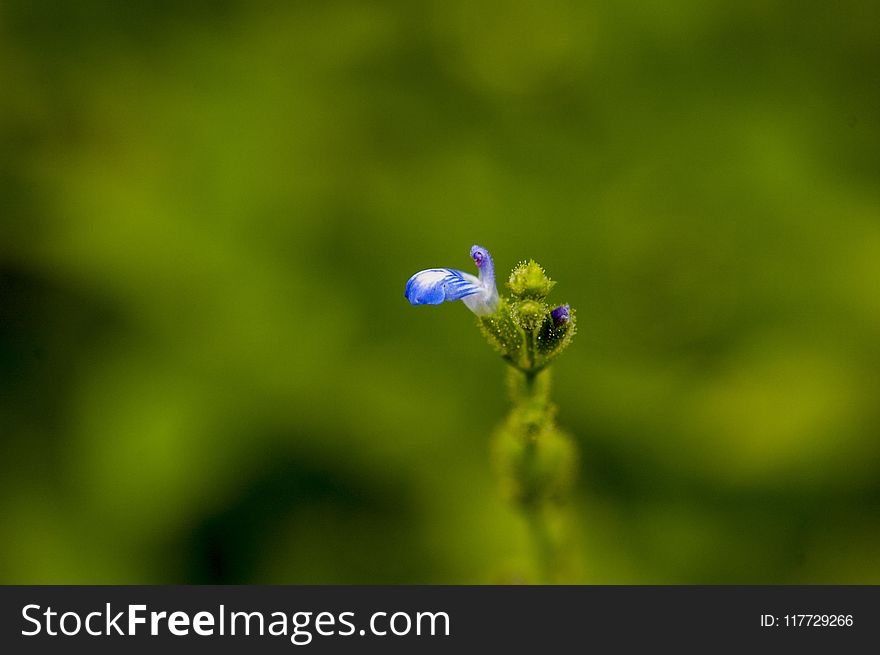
x: 561, y: 315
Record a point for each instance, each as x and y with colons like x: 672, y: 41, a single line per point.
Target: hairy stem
x: 533, y: 410
x: 542, y: 544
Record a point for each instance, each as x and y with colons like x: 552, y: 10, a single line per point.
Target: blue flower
x: 561, y: 314
x: 437, y: 285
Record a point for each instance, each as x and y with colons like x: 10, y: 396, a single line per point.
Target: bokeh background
x: 208, y: 211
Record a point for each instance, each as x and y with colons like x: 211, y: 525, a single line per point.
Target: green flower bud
x: 528, y: 280
x: 529, y: 314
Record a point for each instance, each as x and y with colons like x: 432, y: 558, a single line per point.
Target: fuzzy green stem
x: 542, y: 543
x: 533, y: 399
x: 530, y: 354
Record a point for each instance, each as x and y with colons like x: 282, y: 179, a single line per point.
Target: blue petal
x: 436, y: 285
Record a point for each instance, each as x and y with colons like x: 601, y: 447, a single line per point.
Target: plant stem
x: 534, y: 398
x: 542, y: 543
x: 530, y: 354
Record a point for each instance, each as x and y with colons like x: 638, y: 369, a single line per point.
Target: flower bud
x: 556, y: 332
x: 561, y: 315
x: 529, y: 314
x: 528, y: 280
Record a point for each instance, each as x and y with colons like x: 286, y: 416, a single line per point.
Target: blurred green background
x: 208, y: 211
